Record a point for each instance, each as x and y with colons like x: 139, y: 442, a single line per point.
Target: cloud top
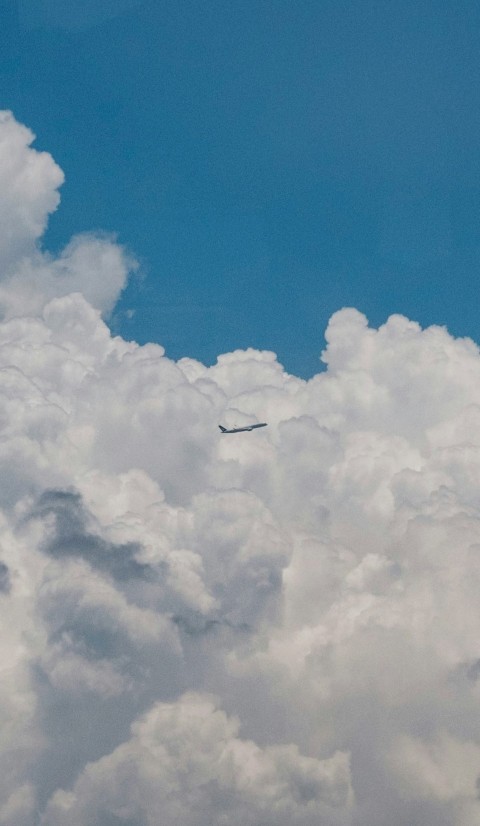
x: 29, y: 181
x: 92, y: 264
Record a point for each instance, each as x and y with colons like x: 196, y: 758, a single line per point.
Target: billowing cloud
x: 29, y: 181
x: 91, y: 264
x: 185, y: 760
x: 276, y: 627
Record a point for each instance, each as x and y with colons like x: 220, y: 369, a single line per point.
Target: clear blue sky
x: 268, y: 161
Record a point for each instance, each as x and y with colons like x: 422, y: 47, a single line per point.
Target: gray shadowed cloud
x: 71, y: 534
x: 4, y: 578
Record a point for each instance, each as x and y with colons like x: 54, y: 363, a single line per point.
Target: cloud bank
x: 274, y: 628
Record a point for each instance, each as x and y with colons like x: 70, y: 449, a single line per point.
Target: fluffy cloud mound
x: 29, y: 181
x: 91, y: 264
x: 189, y: 764
x: 264, y: 629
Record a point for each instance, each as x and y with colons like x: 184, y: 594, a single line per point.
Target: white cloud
x: 19, y: 810
x: 319, y: 578
x: 28, y: 181
x: 186, y: 761
x: 443, y: 770
x: 91, y: 264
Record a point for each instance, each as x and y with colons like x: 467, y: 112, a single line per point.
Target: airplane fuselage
x: 242, y: 429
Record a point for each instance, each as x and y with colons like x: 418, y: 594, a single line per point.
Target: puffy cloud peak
x: 92, y: 264
x: 29, y: 181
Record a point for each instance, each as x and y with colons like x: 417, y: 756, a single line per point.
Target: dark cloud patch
x: 93, y: 727
x: 5, y: 583
x: 73, y: 536
x: 473, y: 670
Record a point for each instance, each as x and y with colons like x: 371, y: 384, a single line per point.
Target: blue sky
x: 268, y: 162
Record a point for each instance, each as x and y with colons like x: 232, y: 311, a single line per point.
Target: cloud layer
x: 272, y: 628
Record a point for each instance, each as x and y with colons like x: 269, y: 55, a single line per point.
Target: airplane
x: 242, y: 429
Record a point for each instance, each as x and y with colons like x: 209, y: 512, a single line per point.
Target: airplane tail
x: 223, y: 429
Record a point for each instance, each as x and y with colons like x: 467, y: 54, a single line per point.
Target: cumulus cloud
x: 29, y: 181
x: 91, y: 264
x: 277, y: 627
x: 185, y: 760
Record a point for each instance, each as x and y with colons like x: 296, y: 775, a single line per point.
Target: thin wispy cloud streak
x: 278, y: 627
